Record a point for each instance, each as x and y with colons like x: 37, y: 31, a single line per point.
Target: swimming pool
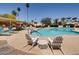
x: 54, y: 32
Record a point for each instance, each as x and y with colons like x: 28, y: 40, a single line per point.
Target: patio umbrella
x: 6, y: 20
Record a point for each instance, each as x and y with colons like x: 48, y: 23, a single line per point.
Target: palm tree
x: 74, y: 19
x: 27, y: 5
x: 46, y: 21
x: 56, y: 21
x: 68, y: 18
x: 18, y: 10
x: 14, y: 13
x: 63, y: 20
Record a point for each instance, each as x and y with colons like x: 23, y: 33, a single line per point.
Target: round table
x: 43, y: 44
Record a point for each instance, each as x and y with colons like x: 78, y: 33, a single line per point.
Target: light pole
x: 27, y: 5
x: 10, y: 24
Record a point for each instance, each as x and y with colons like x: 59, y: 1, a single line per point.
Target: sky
x: 37, y: 11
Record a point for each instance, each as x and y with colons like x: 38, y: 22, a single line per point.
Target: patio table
x: 43, y: 44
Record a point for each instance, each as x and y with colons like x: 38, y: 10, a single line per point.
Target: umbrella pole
x: 10, y: 23
x: 26, y: 15
x: 27, y: 20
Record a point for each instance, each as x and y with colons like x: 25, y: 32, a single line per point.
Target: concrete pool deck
x: 18, y: 42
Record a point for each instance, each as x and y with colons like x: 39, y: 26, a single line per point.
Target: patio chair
x: 50, y: 44
x: 31, y: 40
x: 56, y: 43
x: 3, y: 33
x: 11, y: 29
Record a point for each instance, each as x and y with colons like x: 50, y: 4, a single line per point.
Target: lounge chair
x: 31, y: 40
x: 56, y: 43
x: 10, y: 29
x: 3, y: 33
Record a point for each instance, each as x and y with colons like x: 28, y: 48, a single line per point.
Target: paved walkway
x: 19, y: 43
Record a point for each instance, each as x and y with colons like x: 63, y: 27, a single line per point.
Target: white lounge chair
x: 4, y: 33
x: 56, y: 43
x: 31, y: 40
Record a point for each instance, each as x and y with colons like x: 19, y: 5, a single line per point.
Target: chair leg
x: 25, y: 46
x: 51, y: 49
x: 33, y: 45
x: 61, y: 51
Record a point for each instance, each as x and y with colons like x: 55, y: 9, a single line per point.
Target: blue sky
x: 40, y: 10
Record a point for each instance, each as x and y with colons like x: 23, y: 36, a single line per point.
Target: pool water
x: 54, y: 32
